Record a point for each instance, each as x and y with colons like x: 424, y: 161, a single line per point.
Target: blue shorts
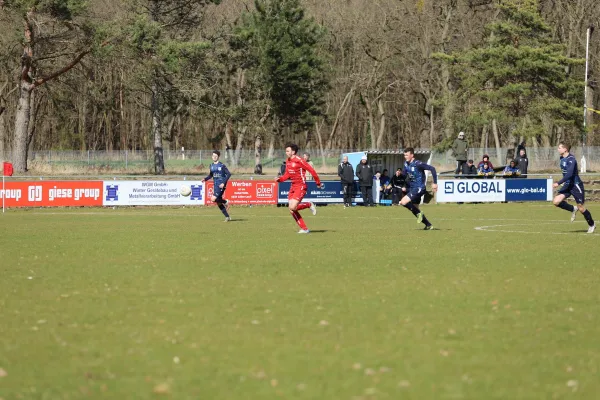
x: 576, y: 190
x: 416, y: 195
x: 218, y: 192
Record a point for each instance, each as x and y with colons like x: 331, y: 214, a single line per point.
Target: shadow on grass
x: 320, y: 231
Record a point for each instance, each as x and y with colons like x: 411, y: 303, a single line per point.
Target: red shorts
x: 297, y: 193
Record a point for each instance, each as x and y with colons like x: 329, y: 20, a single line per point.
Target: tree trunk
x: 34, y: 109
x: 240, y: 145
x: 2, y: 133
x: 381, y: 111
x: 371, y: 135
x: 496, y: 139
x: 449, y: 106
x: 271, y: 153
x: 229, y: 145
x: 431, y: 127
x: 341, y: 111
x: 536, y: 152
x: 257, y: 155
x: 484, y: 138
x: 320, y: 139
x: 159, y: 162
x: 22, y: 128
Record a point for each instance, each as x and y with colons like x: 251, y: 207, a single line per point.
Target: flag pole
x: 590, y: 29
x: 589, y: 32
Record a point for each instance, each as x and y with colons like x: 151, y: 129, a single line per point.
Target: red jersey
x: 295, y: 169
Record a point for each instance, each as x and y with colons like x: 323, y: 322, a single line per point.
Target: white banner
x: 152, y: 193
x: 471, y: 190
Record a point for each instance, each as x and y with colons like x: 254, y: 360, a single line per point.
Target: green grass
x: 175, y: 303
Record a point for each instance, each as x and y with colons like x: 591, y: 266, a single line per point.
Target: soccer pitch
x: 502, y: 301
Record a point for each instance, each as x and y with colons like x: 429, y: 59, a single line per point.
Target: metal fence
x: 540, y: 159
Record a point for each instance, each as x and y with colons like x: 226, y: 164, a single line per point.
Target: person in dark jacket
x: 282, y: 169
x: 520, y: 147
x: 469, y: 170
x: 346, y: 174
x: 398, y: 182
x: 460, y: 149
x: 365, y: 174
x: 522, y: 163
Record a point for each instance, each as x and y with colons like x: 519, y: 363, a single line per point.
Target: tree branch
x: 66, y: 68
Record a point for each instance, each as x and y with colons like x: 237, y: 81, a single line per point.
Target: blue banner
x: 528, y: 189
x: 332, y: 193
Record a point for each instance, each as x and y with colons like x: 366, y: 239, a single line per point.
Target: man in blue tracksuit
x: 220, y: 175
x: 571, y: 186
x: 414, y: 171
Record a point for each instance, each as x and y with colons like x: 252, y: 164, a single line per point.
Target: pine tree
x: 519, y: 77
x: 283, y: 56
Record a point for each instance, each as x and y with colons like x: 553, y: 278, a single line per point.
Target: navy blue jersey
x: 568, y: 167
x: 219, y: 172
x: 415, y: 174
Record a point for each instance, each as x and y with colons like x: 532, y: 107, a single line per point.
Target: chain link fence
x: 540, y: 159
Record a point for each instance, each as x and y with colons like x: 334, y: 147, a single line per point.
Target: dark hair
x: 217, y: 152
x: 565, y: 145
x: 385, y: 170
x: 409, y: 150
x: 470, y: 161
x: 306, y: 154
x: 292, y: 146
x: 399, y: 169
x: 485, y: 156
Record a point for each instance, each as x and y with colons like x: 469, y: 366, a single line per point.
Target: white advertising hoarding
x: 471, y: 190
x: 152, y: 193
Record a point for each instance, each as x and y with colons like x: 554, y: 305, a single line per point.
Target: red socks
x: 303, y: 206
x: 298, y: 218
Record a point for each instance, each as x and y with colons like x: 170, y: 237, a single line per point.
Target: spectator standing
x: 282, y: 169
x: 460, y: 149
x: 469, y: 170
x: 346, y: 174
x: 522, y: 163
x: 520, y: 147
x: 365, y: 174
x: 306, y: 157
x: 398, y: 182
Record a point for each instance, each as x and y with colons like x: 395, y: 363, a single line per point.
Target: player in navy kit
x: 571, y: 186
x: 220, y: 174
x: 414, y: 171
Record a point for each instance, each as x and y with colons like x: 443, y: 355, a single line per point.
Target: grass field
x: 175, y: 303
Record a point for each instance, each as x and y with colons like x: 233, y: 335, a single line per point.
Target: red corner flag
x: 8, y: 169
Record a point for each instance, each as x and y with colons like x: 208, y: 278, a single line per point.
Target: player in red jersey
x: 295, y: 170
